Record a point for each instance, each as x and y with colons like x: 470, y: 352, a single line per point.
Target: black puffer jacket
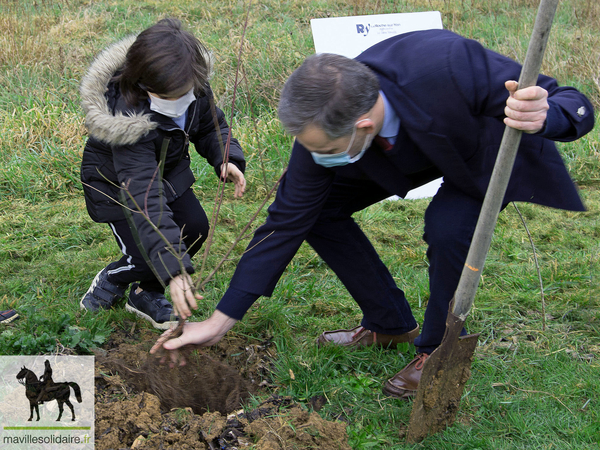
x: 122, y: 154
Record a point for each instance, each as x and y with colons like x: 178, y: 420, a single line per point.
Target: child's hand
x: 232, y: 173
x: 183, y: 295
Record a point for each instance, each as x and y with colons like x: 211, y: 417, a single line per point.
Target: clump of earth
x: 143, y: 404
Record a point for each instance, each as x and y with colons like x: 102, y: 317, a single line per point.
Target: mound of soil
x: 143, y: 404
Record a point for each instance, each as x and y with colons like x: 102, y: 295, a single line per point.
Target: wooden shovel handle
x: 469, y: 279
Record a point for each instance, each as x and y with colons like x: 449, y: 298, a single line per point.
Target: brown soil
x: 143, y: 404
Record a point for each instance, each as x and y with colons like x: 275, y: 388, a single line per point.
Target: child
x: 145, y: 98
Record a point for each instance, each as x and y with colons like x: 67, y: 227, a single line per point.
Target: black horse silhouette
x: 57, y: 391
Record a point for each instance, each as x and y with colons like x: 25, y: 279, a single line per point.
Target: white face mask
x: 172, y: 108
x: 343, y: 158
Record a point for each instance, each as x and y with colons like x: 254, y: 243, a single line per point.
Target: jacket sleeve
x: 213, y: 134
x: 300, y: 197
x: 480, y: 75
x: 150, y: 217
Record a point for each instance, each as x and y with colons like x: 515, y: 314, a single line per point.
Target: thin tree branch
x: 225, y: 151
x: 241, y: 234
x: 537, y: 266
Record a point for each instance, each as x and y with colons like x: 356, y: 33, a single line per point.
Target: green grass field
x: 535, y: 376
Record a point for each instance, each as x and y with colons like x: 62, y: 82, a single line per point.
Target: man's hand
x: 183, y: 296
x: 526, y: 108
x: 231, y: 172
x: 203, y: 334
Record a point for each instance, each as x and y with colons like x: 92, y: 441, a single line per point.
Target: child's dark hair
x: 162, y: 59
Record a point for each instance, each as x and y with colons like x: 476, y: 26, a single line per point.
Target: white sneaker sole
x: 10, y: 319
x: 160, y: 326
x: 92, y: 287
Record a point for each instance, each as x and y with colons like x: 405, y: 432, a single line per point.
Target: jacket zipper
x: 185, y: 146
x: 168, y: 183
x: 186, y: 133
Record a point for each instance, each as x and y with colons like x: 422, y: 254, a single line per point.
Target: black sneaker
x: 102, y: 294
x: 152, y: 306
x: 8, y: 316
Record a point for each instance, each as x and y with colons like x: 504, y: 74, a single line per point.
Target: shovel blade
x: 443, y: 379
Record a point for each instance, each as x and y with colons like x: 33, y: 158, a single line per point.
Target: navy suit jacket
x: 449, y: 94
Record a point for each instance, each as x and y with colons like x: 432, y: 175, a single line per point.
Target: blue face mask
x: 343, y: 158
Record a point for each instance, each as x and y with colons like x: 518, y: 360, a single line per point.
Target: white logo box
x: 17, y: 432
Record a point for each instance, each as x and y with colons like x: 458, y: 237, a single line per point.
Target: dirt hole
x: 143, y: 404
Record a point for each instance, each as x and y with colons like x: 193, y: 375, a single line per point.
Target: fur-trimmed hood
x: 117, y: 129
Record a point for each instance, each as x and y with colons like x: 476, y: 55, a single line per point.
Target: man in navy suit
x: 408, y: 110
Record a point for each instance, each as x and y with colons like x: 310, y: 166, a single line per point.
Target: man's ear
x: 367, y: 124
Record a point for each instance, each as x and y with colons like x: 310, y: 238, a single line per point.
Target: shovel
x: 448, y: 368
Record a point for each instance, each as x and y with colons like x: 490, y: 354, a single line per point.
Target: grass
x: 531, y: 387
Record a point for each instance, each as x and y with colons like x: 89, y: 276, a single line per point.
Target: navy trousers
x: 132, y: 267
x: 450, y: 221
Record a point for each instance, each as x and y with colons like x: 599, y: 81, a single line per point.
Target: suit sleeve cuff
x: 235, y: 303
x: 557, y: 124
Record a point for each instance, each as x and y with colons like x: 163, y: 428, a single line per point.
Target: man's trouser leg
x: 345, y: 248
x: 450, y: 222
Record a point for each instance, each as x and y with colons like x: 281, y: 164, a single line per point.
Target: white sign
x: 350, y: 36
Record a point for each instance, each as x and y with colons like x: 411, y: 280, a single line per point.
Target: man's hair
x: 330, y: 91
x: 163, y: 59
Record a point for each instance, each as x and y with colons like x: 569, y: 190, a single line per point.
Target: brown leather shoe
x: 359, y: 336
x: 406, y: 382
